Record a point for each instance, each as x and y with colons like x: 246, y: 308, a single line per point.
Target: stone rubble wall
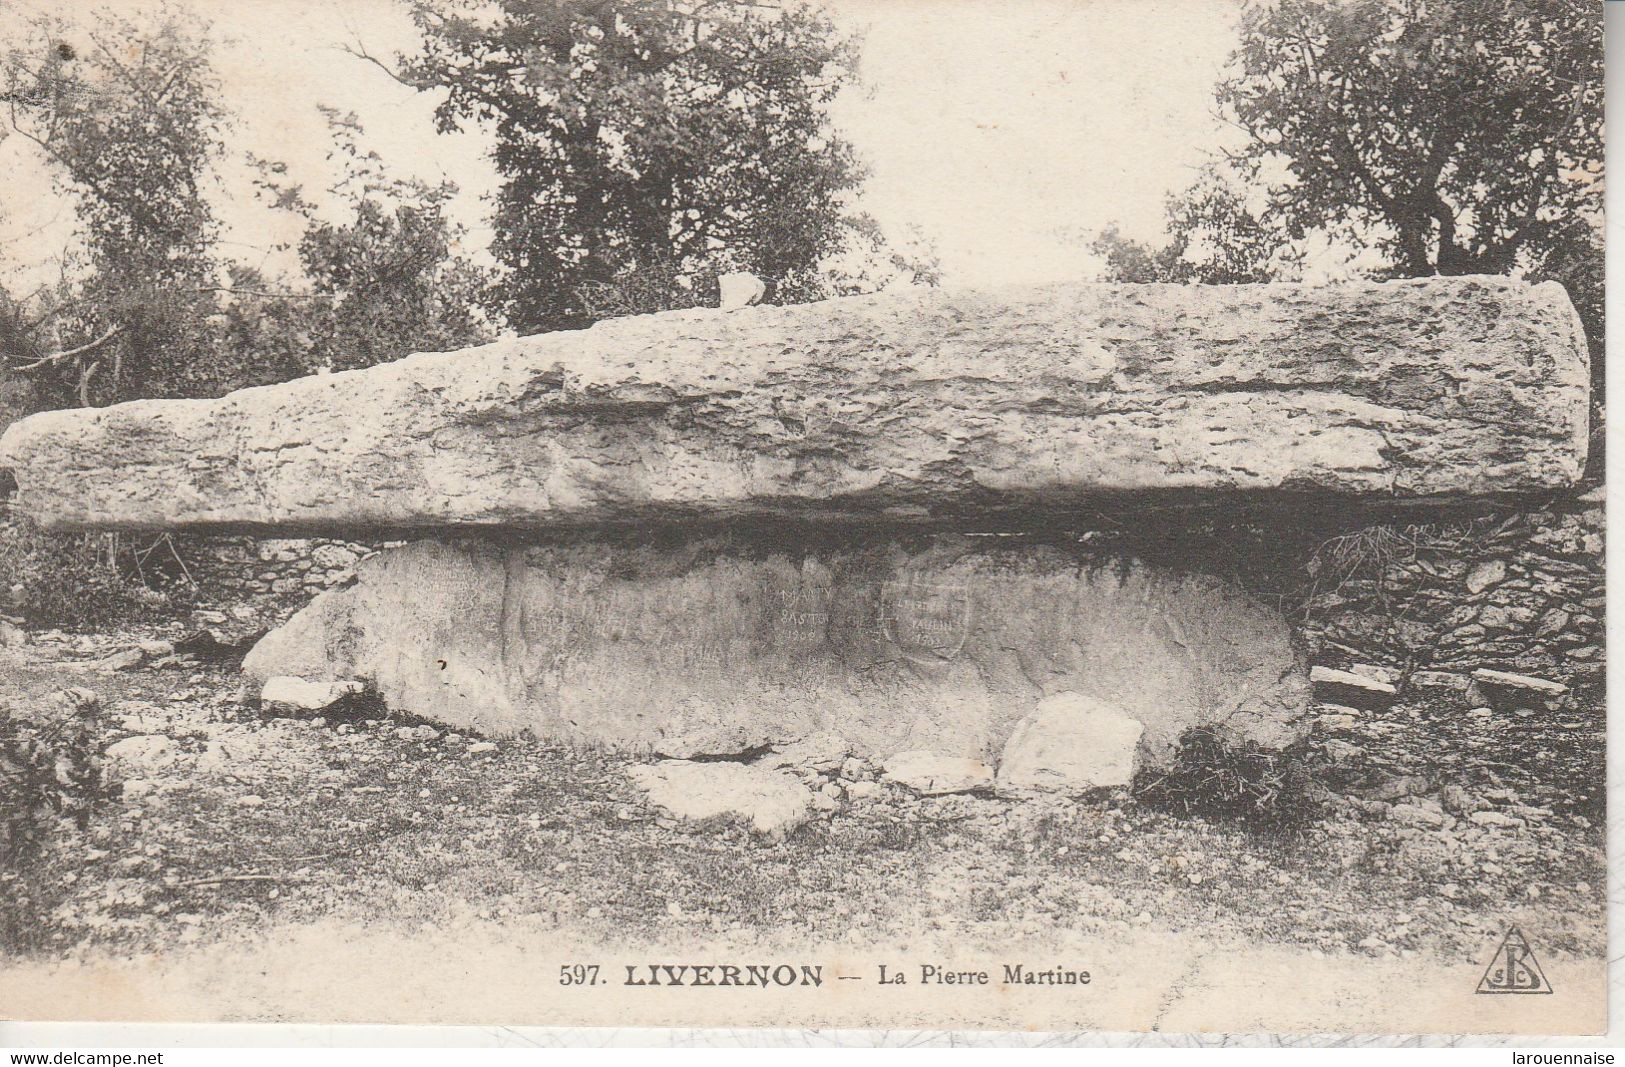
x: 1523, y: 592
x: 270, y: 571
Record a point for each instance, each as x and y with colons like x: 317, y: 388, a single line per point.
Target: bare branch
x: 359, y: 51
x: 58, y: 357
x: 265, y: 293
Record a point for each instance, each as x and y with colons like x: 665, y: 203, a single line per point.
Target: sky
x: 1002, y: 131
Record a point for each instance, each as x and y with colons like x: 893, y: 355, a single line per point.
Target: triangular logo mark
x: 1514, y: 969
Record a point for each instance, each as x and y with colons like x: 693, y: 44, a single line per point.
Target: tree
x: 1215, y: 238
x: 385, y: 281
x: 1448, y: 136
x: 1456, y: 136
x: 128, y: 117
x: 679, y: 137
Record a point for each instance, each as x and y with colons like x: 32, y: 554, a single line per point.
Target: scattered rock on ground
x: 126, y: 660
x: 146, y: 752
x: 1439, y: 680
x: 771, y: 800
x: 931, y: 774
x: 136, y: 788
x: 1338, y: 722
x: 1416, y: 815
x: 215, y: 758
x: 1504, y: 679
x: 297, y: 694
x: 1458, y: 801
x: 59, y: 705
x: 1398, y: 787
x: 1350, y: 682
x: 1481, y: 577
x: 1385, y: 675
x: 1070, y: 743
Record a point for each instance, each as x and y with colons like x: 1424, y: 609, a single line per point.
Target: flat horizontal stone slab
x: 1519, y: 681
x: 1351, y: 680
x: 940, y: 645
x: 913, y: 406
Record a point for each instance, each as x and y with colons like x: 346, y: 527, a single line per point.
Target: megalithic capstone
x: 926, y: 405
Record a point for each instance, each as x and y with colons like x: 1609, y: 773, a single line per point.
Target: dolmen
x: 704, y: 533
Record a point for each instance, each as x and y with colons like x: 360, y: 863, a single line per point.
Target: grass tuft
x: 1263, y: 790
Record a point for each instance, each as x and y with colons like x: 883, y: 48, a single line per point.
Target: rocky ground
x: 224, y: 822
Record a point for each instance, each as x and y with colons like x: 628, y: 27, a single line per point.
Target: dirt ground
x: 425, y: 870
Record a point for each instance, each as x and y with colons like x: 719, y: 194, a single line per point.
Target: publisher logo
x: 1514, y: 969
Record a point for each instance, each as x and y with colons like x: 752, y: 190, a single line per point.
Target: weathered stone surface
x: 1070, y: 743
x: 933, y: 774
x: 298, y: 694
x: 696, y: 726
x: 144, y: 753
x: 738, y: 289
x: 1331, y: 676
x: 123, y: 660
x: 1490, y: 572
x: 1439, y: 680
x: 1417, y: 815
x: 1519, y: 681
x: 916, y: 405
x: 940, y: 643
x: 216, y: 758
x: 1388, y: 676
x: 771, y: 800
x: 822, y: 752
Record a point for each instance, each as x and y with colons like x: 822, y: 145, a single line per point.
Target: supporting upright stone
x: 717, y: 646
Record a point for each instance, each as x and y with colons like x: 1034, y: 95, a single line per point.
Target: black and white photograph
x: 1041, y: 517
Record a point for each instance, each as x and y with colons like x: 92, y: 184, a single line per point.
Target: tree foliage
x: 1445, y: 136
x: 128, y: 116
x: 1215, y: 238
x: 387, y: 279
x: 1456, y: 136
x: 679, y: 137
